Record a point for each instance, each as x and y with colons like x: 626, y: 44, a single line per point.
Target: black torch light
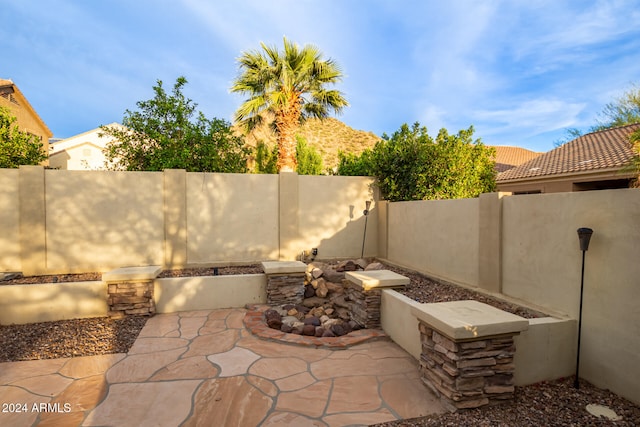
x: 584, y: 234
x: 366, y: 217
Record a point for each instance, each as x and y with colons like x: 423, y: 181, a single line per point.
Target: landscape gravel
x: 555, y: 403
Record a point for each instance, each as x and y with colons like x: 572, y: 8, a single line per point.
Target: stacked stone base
x: 131, y: 298
x: 469, y: 373
x: 285, y: 288
x: 130, y: 291
x: 364, y: 305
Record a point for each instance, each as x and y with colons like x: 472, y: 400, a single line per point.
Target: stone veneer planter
x: 467, y: 352
x: 130, y: 291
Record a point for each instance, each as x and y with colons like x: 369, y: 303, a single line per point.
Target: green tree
x: 625, y: 110
x: 355, y: 165
x: 163, y: 134
x: 285, y: 88
x: 308, y: 159
x: 410, y: 165
x: 266, y: 158
x: 17, y: 147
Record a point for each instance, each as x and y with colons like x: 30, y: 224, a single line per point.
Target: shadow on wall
x: 231, y: 217
x: 99, y: 220
x: 330, y: 217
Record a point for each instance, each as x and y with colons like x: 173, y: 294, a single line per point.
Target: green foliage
x: 625, y: 110
x: 163, y: 134
x: 285, y: 88
x: 17, y: 147
x: 266, y: 158
x: 569, y: 135
x: 308, y: 159
x: 410, y: 165
x: 355, y: 165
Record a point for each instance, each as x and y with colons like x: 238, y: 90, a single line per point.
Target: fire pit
x: 323, y: 301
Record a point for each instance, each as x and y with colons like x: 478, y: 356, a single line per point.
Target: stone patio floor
x: 204, y: 368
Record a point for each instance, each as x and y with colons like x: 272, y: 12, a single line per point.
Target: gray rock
x: 348, y: 265
x: 289, y: 320
x: 286, y: 328
x: 374, y: 266
x: 333, y: 276
x: 314, y: 302
x: 312, y: 321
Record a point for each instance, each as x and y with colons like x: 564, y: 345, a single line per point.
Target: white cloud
x: 531, y: 117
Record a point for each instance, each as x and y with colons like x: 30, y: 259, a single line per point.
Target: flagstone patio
x: 205, y: 368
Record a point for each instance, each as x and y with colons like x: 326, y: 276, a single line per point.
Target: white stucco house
x: 81, y: 152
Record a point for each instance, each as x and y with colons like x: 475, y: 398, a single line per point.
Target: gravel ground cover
x: 68, y: 338
x: 555, y: 403
x: 423, y: 289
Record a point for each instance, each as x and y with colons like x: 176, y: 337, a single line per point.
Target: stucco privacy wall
x: 77, y: 221
x: 542, y: 263
x: 9, y: 221
x: 436, y: 237
x: 101, y: 219
x: 231, y: 217
x: 536, y: 259
x: 330, y: 216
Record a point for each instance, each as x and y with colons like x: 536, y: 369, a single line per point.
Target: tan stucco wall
x: 436, y: 237
x: 9, y: 221
x: 21, y: 304
x: 209, y: 293
x: 398, y: 322
x: 330, y: 216
x: 231, y: 217
x: 542, y: 261
x: 103, y: 220
x: 546, y: 350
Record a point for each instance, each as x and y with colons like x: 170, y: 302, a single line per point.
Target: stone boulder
x: 348, y: 265
x: 273, y: 319
x: 374, y: 266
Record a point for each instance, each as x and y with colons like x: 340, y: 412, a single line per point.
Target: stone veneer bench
x: 467, y: 352
x: 130, y: 290
x: 364, y: 289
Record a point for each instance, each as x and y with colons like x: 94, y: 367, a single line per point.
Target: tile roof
x: 606, y: 149
x: 510, y: 157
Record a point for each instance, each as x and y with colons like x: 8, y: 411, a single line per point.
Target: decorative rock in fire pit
x: 336, y: 299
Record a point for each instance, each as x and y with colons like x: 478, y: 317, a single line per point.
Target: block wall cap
x: 283, y: 267
x: 469, y: 320
x: 376, y: 279
x: 132, y: 273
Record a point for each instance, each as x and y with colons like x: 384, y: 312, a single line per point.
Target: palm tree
x: 285, y: 88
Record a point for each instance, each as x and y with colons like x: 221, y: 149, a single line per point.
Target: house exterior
x: 27, y: 118
x: 509, y: 157
x: 81, y: 152
x: 594, y: 161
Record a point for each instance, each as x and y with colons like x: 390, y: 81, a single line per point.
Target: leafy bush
x: 410, y: 165
x: 17, y: 147
x: 308, y: 159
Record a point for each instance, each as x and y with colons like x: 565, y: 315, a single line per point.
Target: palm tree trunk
x: 287, y: 124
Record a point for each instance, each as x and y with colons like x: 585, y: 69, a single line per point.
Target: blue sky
x: 520, y: 72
